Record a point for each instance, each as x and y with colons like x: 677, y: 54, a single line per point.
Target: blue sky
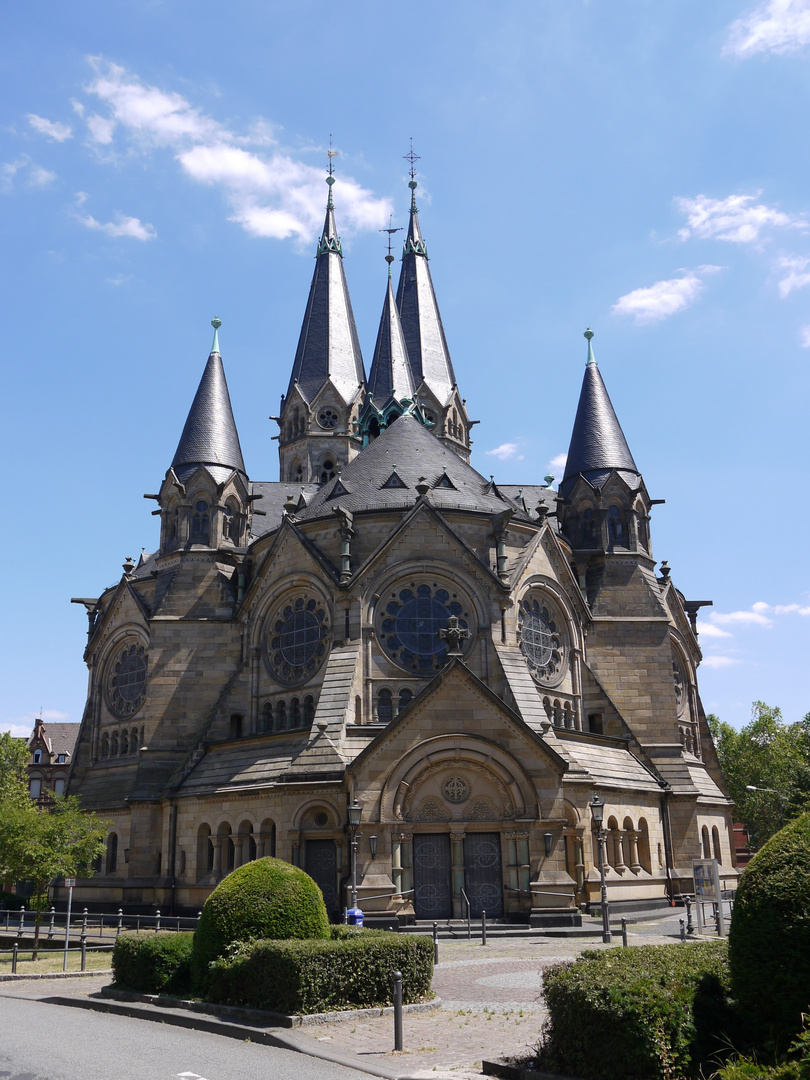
x: 639, y: 166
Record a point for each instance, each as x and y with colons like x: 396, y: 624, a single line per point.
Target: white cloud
x: 51, y: 128
x: 741, y: 618
x: 796, y: 275
x: 21, y: 727
x: 780, y: 609
x: 662, y: 299
x: 270, y: 192
x: 505, y: 451
x: 558, y: 462
x: 131, y: 227
x: 33, y: 174
x: 77, y: 107
x: 706, y: 629
x: 733, y: 218
x: 39, y: 177
x: 778, y: 26
x: 804, y: 337
x: 719, y: 661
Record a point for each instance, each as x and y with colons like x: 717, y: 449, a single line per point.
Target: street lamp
x: 598, y: 814
x: 355, y: 813
x: 771, y: 791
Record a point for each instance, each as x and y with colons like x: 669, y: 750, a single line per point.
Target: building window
x: 328, y: 418
x: 716, y: 843
x: 296, y: 641
x: 59, y: 787
x: 35, y: 788
x: 588, y: 529
x: 412, y: 619
x: 236, y: 726
x: 327, y: 471
x: 595, y: 723
x: 126, y: 685
x: 266, y: 722
x: 105, y: 744
x: 112, y: 853
x: 707, y: 851
x: 309, y: 709
x: 295, y: 713
x: 541, y: 638
x: 124, y: 742
x: 114, y: 744
x: 200, y: 522
x: 405, y: 698
x: 615, y: 526
x: 281, y: 716
x: 37, y: 757
x: 385, y: 707
x: 61, y: 759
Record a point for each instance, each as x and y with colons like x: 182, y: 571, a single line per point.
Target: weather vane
x: 412, y: 158
x: 389, y: 258
x: 331, y: 154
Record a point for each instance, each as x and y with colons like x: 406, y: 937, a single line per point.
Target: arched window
x: 205, y: 851
x: 309, y: 709
x: 707, y: 851
x: 716, y: 843
x: 327, y: 470
x: 236, y: 726
x: 226, y: 850
x: 200, y: 522
x: 405, y: 698
x: 281, y: 716
x: 267, y: 839
x: 105, y: 744
x: 615, y: 526
x: 295, y: 713
x: 296, y: 472
x: 134, y: 743
x: 266, y: 721
x: 568, y: 716
x: 588, y: 528
x: 114, y: 744
x: 124, y: 742
x: 644, y: 853
x: 385, y: 707
x: 112, y: 853
x: 231, y: 526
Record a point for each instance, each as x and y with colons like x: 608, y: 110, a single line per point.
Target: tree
x: 766, y: 753
x: 39, y: 843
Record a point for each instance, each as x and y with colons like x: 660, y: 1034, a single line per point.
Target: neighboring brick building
x: 471, y: 661
x: 51, y: 747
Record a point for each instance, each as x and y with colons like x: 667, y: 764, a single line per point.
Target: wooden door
x: 321, y: 865
x: 483, y: 877
x: 431, y: 876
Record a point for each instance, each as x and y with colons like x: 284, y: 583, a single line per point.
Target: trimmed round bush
x: 267, y: 899
x: 769, y: 940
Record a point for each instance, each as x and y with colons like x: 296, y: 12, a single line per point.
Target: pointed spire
x: 328, y: 347
x: 598, y: 446
x: 390, y: 374
x: 210, y: 437
x: 419, y: 311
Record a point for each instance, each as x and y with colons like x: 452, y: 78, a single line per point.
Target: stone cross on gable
x: 454, y: 634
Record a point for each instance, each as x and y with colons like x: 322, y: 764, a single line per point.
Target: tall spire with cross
x: 390, y: 375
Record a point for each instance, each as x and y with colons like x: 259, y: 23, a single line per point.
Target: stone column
x: 619, y: 864
x: 396, y: 863
x: 457, y: 860
x: 216, y: 843
x: 632, y: 841
x: 245, y: 838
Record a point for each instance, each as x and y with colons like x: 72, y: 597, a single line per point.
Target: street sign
x: 70, y: 882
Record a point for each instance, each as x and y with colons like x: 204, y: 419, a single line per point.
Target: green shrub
x: 267, y: 899
x: 151, y: 963
x: 317, y: 976
x: 769, y: 940
x: 659, y: 1011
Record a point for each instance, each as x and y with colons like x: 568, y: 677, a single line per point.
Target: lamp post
x: 771, y: 791
x: 598, y: 813
x: 355, y: 813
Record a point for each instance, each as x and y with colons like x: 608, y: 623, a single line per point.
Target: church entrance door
x: 431, y: 876
x: 483, y: 878
x: 321, y: 865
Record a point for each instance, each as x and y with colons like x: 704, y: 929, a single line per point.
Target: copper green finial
x: 589, y: 334
x: 216, y: 323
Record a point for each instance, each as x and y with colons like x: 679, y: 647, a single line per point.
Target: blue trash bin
x: 354, y: 916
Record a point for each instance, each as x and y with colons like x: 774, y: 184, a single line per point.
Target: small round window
x: 201, y: 507
x: 328, y: 418
x: 126, y: 682
x: 541, y: 640
x: 296, y: 644
x: 411, y: 624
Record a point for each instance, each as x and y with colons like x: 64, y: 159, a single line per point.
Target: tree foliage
x: 766, y: 753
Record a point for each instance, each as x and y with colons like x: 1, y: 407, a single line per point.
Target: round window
x: 296, y: 644
x: 126, y: 682
x: 201, y: 507
x: 328, y: 418
x: 541, y: 640
x: 412, y: 620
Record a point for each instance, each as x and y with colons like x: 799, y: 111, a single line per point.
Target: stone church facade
x: 471, y: 662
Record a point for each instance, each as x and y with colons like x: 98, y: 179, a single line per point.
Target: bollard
x: 22, y: 922
x: 435, y: 943
x: 14, y: 959
x: 177, y: 928
x: 199, y: 916
x: 157, y: 920
x: 8, y: 916
x: 624, y: 933
x: 50, y: 925
x: 690, y: 926
x: 397, y: 1010
x: 483, y: 926
x: 683, y: 929
x: 84, y: 955
x: 84, y: 923
x: 120, y: 921
x: 717, y: 918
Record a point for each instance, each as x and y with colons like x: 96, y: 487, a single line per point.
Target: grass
x: 51, y: 960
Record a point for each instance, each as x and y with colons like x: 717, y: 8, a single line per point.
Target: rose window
x: 328, y: 418
x: 296, y: 644
x: 541, y: 640
x: 126, y: 684
x: 412, y: 619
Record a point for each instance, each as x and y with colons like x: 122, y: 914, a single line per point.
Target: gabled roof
x: 421, y: 322
x: 390, y: 374
x: 598, y: 446
x: 417, y: 454
x: 328, y: 348
x: 210, y: 437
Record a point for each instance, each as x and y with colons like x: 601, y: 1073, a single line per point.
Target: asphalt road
x: 50, y: 1042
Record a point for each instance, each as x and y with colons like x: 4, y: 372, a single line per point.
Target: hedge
x: 658, y: 1011
x: 317, y: 976
x: 151, y: 963
x: 769, y: 939
x: 264, y: 899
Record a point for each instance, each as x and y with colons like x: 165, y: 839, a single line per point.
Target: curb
x: 518, y: 1072
x: 55, y: 975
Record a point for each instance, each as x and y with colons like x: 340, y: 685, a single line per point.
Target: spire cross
x: 389, y: 258
x: 412, y: 159
x: 331, y: 153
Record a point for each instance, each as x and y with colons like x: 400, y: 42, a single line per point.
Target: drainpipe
x: 172, y: 847
x: 668, y: 855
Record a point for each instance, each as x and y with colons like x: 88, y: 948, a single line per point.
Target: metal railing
x: 51, y: 922
x: 83, y: 949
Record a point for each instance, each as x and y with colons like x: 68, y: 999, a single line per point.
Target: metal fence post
x: 435, y: 943
x: 120, y: 921
x: 683, y: 929
x: 690, y: 926
x: 624, y: 933
x: 397, y: 1010
x: 50, y: 924
x: 84, y: 924
x: 84, y: 955
x: 22, y: 921
x: 199, y: 916
x: 157, y: 920
x: 483, y: 926
x: 14, y: 959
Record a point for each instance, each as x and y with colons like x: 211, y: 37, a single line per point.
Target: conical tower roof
x: 419, y: 312
x: 210, y: 437
x: 598, y: 446
x: 328, y: 348
x: 390, y: 374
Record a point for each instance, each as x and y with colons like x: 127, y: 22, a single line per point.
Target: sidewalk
x: 491, y: 1007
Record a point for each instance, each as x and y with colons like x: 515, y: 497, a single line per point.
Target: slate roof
x: 390, y: 369
x: 231, y: 766
x: 209, y: 437
x: 421, y: 322
x: 60, y: 737
x: 605, y: 765
x: 328, y: 348
x: 267, y: 511
x: 385, y: 476
x: 598, y: 445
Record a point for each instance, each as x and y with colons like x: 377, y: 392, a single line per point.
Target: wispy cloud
x: 719, y: 661
x: 737, y: 218
x: 130, y: 227
x: 777, y: 26
x: 740, y: 618
x: 655, y: 302
x: 781, y: 609
x: 505, y: 451
x: 25, y: 169
x: 270, y: 191
x: 22, y: 726
x: 804, y: 337
x: 707, y: 629
x: 51, y: 128
x: 796, y: 274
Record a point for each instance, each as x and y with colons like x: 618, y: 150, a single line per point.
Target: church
x: 466, y: 664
